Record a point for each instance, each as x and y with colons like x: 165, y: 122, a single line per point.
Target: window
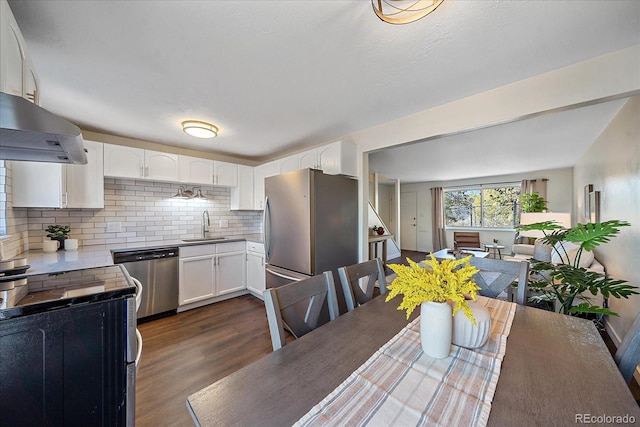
x: 491, y: 207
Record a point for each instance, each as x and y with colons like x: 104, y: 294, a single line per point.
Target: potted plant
x: 532, y: 203
x: 435, y: 288
x: 378, y: 230
x: 567, y: 284
x: 59, y: 233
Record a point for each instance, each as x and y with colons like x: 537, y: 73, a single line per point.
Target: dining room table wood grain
x: 556, y: 368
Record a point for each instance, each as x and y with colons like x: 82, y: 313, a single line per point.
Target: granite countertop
x: 95, y: 256
x: 52, y: 291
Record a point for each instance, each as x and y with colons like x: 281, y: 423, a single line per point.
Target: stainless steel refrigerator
x: 310, y: 226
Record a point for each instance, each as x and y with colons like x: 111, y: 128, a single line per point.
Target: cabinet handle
x: 142, y: 171
x: 146, y: 171
x: 33, y: 97
x: 65, y: 200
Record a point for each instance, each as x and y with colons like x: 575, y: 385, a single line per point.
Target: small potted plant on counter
x: 378, y: 230
x: 59, y: 233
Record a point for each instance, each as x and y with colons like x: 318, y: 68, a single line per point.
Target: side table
x: 495, y: 249
x: 373, y: 247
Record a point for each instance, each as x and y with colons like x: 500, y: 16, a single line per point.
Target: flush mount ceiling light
x: 403, y: 11
x: 199, y: 129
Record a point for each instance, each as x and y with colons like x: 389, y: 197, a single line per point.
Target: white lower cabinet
x: 210, y: 271
x: 256, y: 279
x: 230, y: 271
x: 197, y: 278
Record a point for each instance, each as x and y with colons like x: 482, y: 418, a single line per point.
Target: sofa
x: 542, y: 252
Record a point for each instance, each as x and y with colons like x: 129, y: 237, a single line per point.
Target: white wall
x: 559, y: 196
x: 385, y: 208
x: 612, y: 165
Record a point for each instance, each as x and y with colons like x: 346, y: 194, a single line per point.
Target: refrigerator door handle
x: 284, y: 276
x: 266, y: 237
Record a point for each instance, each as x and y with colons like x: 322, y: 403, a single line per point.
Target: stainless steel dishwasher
x: 157, y: 270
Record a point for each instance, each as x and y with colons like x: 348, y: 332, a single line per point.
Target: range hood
x: 29, y: 132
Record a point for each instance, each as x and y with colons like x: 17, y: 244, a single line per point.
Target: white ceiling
x: 278, y: 76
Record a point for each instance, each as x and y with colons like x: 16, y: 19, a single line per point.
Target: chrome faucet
x: 205, y: 213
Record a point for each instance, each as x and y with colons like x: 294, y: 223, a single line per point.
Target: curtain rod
x: 481, y: 185
x: 491, y: 184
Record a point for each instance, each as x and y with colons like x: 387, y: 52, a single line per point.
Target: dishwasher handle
x: 122, y: 257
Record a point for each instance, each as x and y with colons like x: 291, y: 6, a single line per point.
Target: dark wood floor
x: 184, y: 353
x: 188, y: 351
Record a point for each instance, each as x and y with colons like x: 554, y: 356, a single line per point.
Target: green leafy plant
x: 566, y: 281
x: 58, y: 231
x: 532, y: 203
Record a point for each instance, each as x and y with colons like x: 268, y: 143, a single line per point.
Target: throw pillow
x: 586, y: 259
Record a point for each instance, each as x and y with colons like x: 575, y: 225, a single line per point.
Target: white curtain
x: 437, y: 219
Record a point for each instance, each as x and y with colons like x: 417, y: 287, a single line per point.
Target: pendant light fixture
x: 183, y: 193
x: 403, y: 11
x: 199, y: 129
x: 198, y: 193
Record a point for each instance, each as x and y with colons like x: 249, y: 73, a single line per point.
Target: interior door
x: 408, y: 214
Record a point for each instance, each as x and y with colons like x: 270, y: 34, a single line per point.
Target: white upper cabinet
x: 17, y: 75
x: 85, y: 183
x: 225, y: 174
x: 260, y: 173
x: 339, y: 158
x: 242, y: 198
x: 123, y: 162
x: 55, y: 185
x: 161, y: 166
x: 128, y: 162
x: 288, y: 164
x: 195, y: 170
x: 309, y: 159
x: 30, y: 82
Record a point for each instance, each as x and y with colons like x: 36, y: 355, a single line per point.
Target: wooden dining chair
x: 299, y: 306
x: 469, y: 240
x: 496, y: 275
x: 628, y: 354
x: 369, y: 273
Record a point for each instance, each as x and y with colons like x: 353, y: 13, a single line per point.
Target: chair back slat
x: 367, y: 273
x: 467, y: 240
x: 499, y: 275
x: 628, y: 354
x: 299, y: 307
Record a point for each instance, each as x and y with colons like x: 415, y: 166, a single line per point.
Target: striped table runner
x: 401, y: 386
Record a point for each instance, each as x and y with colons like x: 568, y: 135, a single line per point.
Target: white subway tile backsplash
x: 146, y: 214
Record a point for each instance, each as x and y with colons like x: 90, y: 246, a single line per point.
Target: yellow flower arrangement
x: 439, y: 282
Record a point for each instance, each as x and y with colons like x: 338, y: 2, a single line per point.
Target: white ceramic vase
x: 436, y: 324
x: 465, y: 334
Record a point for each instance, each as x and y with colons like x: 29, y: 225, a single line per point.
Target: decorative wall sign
x: 594, y: 206
x: 587, y: 190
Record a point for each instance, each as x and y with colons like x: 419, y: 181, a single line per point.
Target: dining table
x: 556, y: 370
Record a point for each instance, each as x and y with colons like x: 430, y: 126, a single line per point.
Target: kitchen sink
x: 206, y: 239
